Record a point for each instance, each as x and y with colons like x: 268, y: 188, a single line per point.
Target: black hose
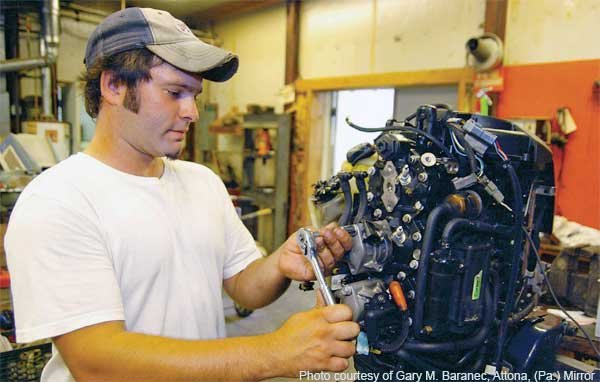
x: 463, y: 344
x: 473, y: 225
x: 413, y: 130
x: 515, y: 318
x: 432, y: 221
x: 344, y: 178
x: 360, y: 176
x: 517, y: 249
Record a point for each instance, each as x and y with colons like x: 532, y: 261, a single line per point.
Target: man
x: 119, y: 255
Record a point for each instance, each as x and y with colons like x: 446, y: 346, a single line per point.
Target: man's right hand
x: 316, y: 340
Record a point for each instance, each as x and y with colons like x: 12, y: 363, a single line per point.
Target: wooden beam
x: 232, y: 8
x: 396, y: 79
x: 495, y: 22
x: 495, y: 17
x: 292, y: 38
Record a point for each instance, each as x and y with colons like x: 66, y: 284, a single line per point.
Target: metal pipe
x: 17, y: 64
x: 46, y: 78
x: 49, y: 49
x: 51, y: 27
x: 13, y: 85
x: 48, y: 52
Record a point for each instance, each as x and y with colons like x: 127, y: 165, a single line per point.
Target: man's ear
x: 113, y: 92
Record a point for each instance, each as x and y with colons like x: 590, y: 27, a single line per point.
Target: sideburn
x: 132, y: 101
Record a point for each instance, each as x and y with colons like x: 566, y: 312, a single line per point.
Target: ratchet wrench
x: 306, y: 241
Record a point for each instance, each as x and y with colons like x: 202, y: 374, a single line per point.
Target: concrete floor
x: 270, y: 318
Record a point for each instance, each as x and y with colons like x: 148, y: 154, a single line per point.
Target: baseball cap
x: 164, y: 35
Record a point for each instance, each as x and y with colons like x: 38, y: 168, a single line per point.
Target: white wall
x: 352, y: 37
x: 551, y: 31
x: 73, y: 39
x: 258, y: 39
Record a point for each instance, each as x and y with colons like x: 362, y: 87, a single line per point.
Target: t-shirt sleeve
x: 62, y: 277
x: 241, y: 248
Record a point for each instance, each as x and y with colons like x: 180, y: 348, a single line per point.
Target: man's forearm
x: 108, y: 353
x: 259, y: 284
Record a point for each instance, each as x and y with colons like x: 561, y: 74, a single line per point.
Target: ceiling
x: 195, y: 13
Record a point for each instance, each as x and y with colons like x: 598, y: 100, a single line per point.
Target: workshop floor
x: 271, y: 318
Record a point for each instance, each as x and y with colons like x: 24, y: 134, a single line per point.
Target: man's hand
x: 332, y: 243
x: 316, y: 340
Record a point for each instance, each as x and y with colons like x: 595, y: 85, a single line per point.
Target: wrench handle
x: 325, y: 291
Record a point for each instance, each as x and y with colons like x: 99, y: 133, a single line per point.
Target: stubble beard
x: 171, y: 156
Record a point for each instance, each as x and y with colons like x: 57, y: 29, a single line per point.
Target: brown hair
x: 129, y: 68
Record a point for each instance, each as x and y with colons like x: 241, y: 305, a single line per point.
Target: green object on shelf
x: 484, y: 106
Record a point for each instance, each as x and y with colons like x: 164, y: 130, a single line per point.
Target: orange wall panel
x: 539, y: 90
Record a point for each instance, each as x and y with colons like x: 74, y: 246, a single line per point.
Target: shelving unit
x: 266, y: 180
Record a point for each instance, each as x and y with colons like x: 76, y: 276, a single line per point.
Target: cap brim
x: 214, y: 64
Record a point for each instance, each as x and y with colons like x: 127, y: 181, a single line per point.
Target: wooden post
x: 291, y: 41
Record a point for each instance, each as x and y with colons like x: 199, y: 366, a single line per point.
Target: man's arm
x: 264, y: 280
x: 313, y: 340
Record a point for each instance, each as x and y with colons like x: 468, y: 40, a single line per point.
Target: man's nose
x: 189, y: 110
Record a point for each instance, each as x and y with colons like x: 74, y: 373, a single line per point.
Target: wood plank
x: 292, y: 39
x: 495, y: 17
x: 495, y: 22
x: 394, y: 79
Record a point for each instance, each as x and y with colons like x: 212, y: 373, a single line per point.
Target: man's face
x: 167, y: 106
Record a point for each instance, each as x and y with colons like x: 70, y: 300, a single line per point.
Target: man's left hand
x: 332, y: 243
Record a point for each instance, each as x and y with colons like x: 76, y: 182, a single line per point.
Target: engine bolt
x: 406, y: 218
x: 371, y: 171
x: 399, y: 237
x: 401, y: 275
x: 380, y: 298
x: 347, y: 291
x: 414, y: 264
x: 422, y: 177
x: 410, y: 321
x: 416, y: 236
x: 416, y: 254
x: 411, y: 294
x: 528, y: 295
x: 377, y: 213
x: 404, y: 178
x: 428, y: 159
x: 418, y: 206
x: 370, y: 196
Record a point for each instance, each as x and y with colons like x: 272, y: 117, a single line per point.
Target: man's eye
x: 173, y: 93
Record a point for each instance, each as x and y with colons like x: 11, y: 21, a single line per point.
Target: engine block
x: 444, y: 208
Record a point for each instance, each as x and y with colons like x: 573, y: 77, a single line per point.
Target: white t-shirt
x: 87, y: 243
